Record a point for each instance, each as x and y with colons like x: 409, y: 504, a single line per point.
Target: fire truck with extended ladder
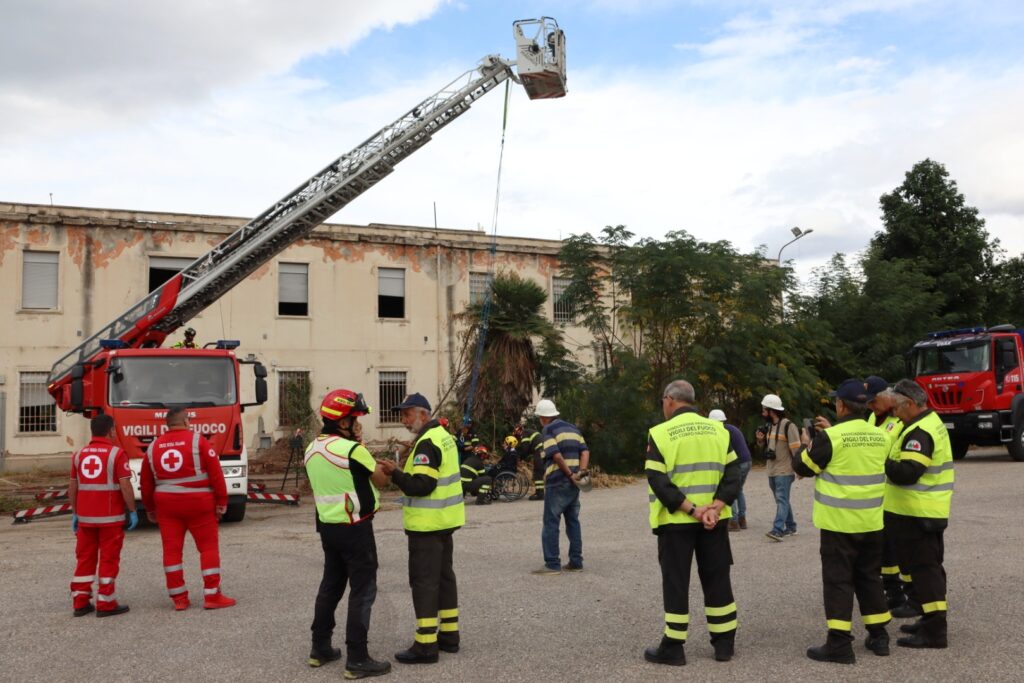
x: 975, y: 382
x: 122, y: 371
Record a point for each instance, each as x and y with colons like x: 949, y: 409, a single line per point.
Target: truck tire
x: 1016, y: 446
x: 235, y: 512
x: 959, y: 447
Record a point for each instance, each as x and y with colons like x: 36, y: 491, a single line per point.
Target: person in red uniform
x: 183, y: 490
x: 100, y: 490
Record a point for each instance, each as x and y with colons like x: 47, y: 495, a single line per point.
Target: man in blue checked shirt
x: 566, y: 457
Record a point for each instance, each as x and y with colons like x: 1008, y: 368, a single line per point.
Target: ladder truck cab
x: 122, y: 371
x: 975, y: 382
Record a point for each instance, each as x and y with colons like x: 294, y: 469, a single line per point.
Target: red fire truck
x: 974, y: 381
x: 121, y: 370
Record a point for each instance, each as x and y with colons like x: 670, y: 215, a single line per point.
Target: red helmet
x: 443, y: 421
x: 343, y: 403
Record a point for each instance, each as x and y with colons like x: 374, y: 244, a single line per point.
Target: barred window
x: 391, y: 392
x: 293, y: 391
x: 36, y: 410
x: 39, y: 280
x: 563, y: 312
x: 479, y: 283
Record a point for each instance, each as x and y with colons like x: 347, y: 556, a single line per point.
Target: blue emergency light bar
x: 228, y: 344
x: 955, y: 333
x: 113, y: 344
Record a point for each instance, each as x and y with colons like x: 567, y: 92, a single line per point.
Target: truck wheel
x: 1016, y: 447
x: 959, y: 448
x: 235, y: 512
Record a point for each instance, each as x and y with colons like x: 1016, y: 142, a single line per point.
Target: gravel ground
x: 515, y: 626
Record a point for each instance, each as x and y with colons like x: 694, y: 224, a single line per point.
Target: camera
x: 812, y: 431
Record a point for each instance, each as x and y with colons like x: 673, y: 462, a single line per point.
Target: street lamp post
x: 797, y: 234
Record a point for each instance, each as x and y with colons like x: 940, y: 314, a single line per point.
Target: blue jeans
x: 739, y: 506
x: 558, y: 501
x: 783, y: 510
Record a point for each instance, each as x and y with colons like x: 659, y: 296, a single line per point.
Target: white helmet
x: 772, y: 401
x: 716, y: 414
x: 546, y: 408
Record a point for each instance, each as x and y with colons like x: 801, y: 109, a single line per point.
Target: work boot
x: 483, y: 500
x: 743, y: 521
x: 539, y: 495
x: 450, y: 647
x: 931, y: 633
x: 668, y: 652
x: 322, y: 653
x: 365, y: 668
x: 120, y: 609
x: 416, y: 656
x: 912, y: 627
x: 878, y: 641
x: 181, y: 603
x: 725, y: 647
x: 837, y: 649
x: 83, y: 610
x: 908, y: 610
x: 734, y: 525
x: 217, y: 601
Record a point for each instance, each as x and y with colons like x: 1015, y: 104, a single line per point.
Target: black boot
x: 837, y: 649
x: 538, y: 495
x: 322, y: 653
x: 908, y: 610
x: 877, y: 641
x: 725, y: 646
x: 931, y: 633
x: 417, y: 655
x: 366, y: 667
x: 483, y: 499
x: 668, y: 652
x: 912, y: 627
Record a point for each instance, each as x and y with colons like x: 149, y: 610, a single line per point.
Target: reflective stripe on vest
x: 848, y: 493
x: 931, y: 495
x: 443, y: 508
x: 111, y: 485
x: 696, y: 451
x: 330, y: 476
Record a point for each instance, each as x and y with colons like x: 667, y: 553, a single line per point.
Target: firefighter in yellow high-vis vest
x: 918, y: 493
x: 345, y: 480
x: 848, y: 462
x: 432, y: 509
x: 693, y: 477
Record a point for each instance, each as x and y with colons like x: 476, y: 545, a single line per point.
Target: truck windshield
x: 159, y: 381
x: 940, y: 360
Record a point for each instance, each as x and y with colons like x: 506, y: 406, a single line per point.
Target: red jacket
x: 178, y: 461
x: 99, y: 468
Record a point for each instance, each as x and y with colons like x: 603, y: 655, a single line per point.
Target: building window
x: 391, y: 392
x: 293, y: 289
x: 479, y: 284
x: 163, y: 268
x: 563, y: 313
x: 36, y: 410
x: 293, y: 392
x: 39, y: 280
x: 391, y: 293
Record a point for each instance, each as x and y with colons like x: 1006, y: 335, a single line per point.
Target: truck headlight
x: 234, y: 471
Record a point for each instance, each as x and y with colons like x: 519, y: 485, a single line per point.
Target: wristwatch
x: 693, y: 509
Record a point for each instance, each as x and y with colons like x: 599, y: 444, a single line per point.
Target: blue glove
x: 74, y: 523
x: 133, y: 519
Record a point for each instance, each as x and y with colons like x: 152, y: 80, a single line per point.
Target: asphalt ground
x: 515, y: 626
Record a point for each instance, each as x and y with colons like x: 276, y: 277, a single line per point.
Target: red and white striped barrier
x: 279, y: 498
x: 257, y: 488
x: 25, y: 516
x: 52, y: 494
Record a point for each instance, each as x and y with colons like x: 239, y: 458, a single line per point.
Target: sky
x: 729, y: 119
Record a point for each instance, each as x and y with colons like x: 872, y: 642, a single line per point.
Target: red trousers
x: 97, y: 545
x: 195, y: 513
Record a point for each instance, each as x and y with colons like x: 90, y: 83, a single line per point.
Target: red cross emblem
x: 171, y: 460
x: 92, y: 466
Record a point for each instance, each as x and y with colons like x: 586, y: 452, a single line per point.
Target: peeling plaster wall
x: 104, y: 269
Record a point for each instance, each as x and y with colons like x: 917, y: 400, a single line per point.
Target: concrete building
x: 364, y: 307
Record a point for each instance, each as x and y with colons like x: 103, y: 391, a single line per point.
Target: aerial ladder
x: 539, y: 67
